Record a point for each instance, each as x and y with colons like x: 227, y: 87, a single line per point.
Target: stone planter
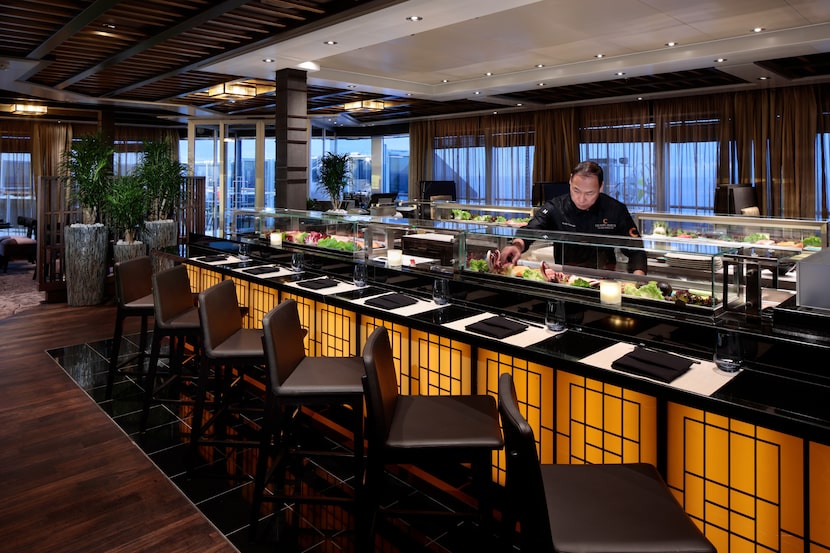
x: 160, y: 235
x: 124, y: 251
x: 85, y: 257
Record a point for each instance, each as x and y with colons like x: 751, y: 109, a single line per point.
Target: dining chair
x: 175, y: 317
x: 230, y: 354
x: 605, y: 508
x: 134, y: 298
x: 412, y: 429
x: 297, y: 381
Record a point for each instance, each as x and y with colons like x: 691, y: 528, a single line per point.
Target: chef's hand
x: 512, y: 252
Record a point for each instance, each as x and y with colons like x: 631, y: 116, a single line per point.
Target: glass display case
x: 339, y: 233
x: 692, y: 276
x: 511, y: 215
x: 761, y: 234
x: 423, y: 244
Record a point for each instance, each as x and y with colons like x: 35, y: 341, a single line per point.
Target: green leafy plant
x: 333, y: 175
x: 161, y: 175
x: 87, y: 165
x: 127, y: 204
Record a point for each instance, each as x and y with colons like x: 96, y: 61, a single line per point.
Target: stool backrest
x: 283, y: 341
x: 171, y: 294
x: 525, y: 487
x: 133, y: 279
x: 219, y: 314
x: 380, y: 383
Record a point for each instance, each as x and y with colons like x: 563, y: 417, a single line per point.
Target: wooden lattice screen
x: 191, y: 214
x: 54, y: 212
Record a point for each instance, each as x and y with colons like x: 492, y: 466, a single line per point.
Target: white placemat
x: 532, y: 335
x: 703, y: 378
x: 422, y: 306
x: 341, y: 287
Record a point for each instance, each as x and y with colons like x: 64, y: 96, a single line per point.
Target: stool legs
x: 116, y: 348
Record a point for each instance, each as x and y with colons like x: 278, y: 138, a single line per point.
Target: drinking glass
x: 243, y: 251
x: 297, y: 262
x: 441, y: 291
x: 555, y: 315
x: 360, y: 275
x: 729, y: 354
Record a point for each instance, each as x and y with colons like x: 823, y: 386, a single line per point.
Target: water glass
x: 297, y: 262
x: 729, y: 354
x: 360, y: 275
x: 555, y: 315
x: 243, y: 251
x: 441, y: 291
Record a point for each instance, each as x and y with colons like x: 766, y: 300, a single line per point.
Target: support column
x: 291, y: 133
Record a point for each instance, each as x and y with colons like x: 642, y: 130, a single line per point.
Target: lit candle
x: 610, y: 292
x: 394, y: 258
x: 276, y: 238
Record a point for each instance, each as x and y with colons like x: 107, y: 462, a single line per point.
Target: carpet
x: 18, y: 291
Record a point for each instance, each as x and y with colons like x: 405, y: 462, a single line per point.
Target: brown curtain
x: 420, y: 155
x: 557, y: 145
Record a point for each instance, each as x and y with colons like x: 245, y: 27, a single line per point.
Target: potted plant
x: 333, y: 176
x: 126, y: 211
x: 161, y: 174
x: 87, y: 165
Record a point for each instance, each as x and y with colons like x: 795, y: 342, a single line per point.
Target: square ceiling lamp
x: 364, y: 106
x: 28, y: 109
x: 232, y: 91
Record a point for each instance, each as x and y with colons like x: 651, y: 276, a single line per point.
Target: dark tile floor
x: 221, y: 484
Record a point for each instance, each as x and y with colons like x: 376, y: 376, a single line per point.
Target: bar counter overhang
x: 749, y: 460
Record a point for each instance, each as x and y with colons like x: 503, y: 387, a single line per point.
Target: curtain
x: 459, y: 155
x: 557, y: 145
x: 510, y: 148
x: 620, y: 138
x: 687, y: 153
x: 420, y: 155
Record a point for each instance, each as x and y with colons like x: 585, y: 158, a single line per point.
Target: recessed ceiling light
x: 540, y: 65
x: 670, y: 44
x: 330, y: 42
x: 351, y: 86
x: 108, y: 26
x: 495, y: 113
x: 488, y: 74
x: 763, y: 78
x: 268, y: 60
x: 445, y: 80
x: 476, y: 92
x: 414, y: 18
x: 409, y: 94
x: 720, y: 60
x: 639, y: 97
x: 599, y: 56
x: 758, y: 29
x: 541, y: 84
x: 619, y: 73
x: 519, y: 105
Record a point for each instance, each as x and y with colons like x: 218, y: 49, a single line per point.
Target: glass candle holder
x: 394, y: 258
x: 276, y: 238
x: 610, y: 292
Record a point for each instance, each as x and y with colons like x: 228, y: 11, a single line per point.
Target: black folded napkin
x: 664, y: 367
x: 391, y: 301
x: 260, y: 270
x: 497, y: 327
x: 212, y: 258
x: 318, y: 283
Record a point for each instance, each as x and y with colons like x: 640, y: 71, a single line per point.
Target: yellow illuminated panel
x: 442, y: 365
x: 742, y: 484
x: 819, y: 498
x: 337, y: 331
x: 601, y: 423
x: 399, y: 338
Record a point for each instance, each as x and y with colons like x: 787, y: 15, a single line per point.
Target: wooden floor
x: 70, y: 479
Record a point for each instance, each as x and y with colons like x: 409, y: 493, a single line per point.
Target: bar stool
x: 176, y: 317
x: 226, y: 346
x: 411, y: 429
x: 134, y: 297
x: 296, y: 380
x: 587, y: 508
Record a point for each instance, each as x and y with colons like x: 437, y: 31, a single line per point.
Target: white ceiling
x: 461, y: 40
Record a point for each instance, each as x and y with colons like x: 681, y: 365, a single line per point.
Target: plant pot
x: 124, y: 251
x: 85, y: 257
x: 160, y: 235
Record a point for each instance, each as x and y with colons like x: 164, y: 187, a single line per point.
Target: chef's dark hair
x: 589, y: 168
